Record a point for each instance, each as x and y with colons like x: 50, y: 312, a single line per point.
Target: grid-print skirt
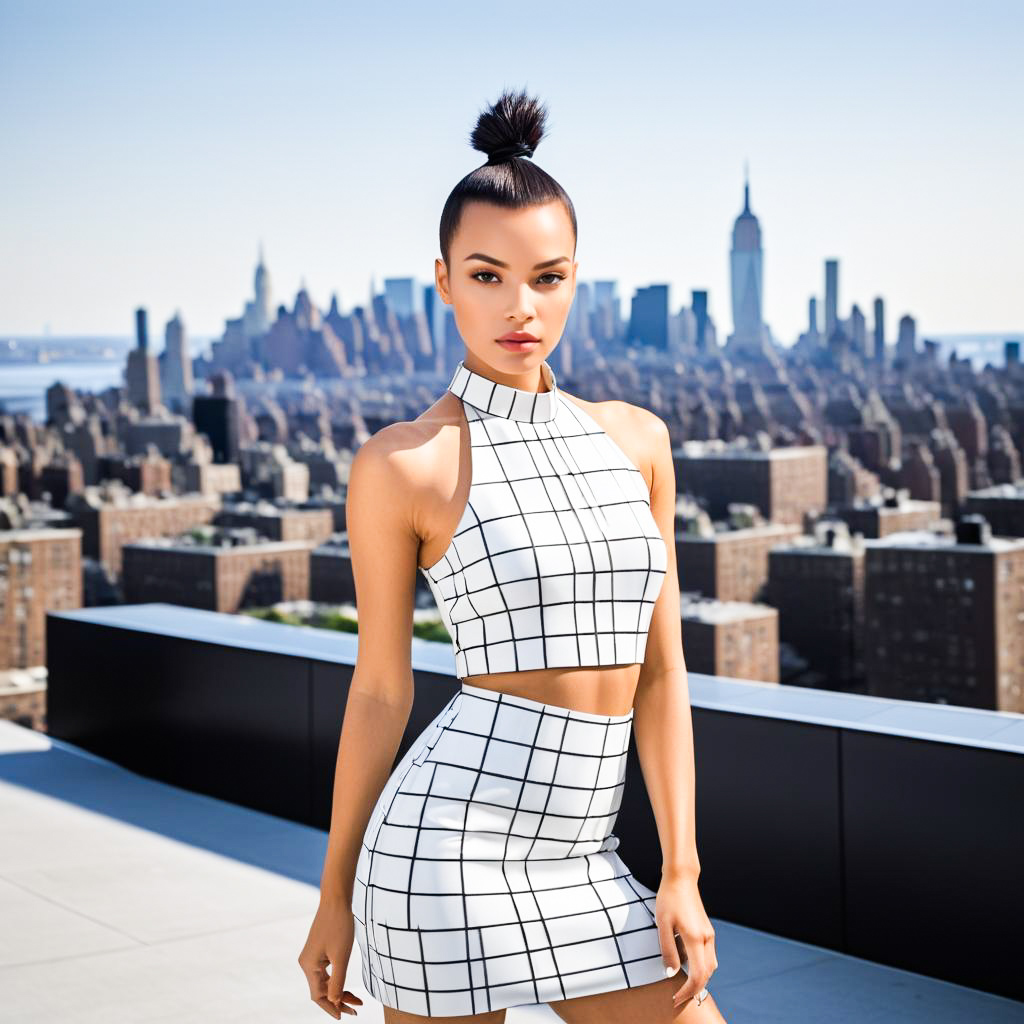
x: 488, y: 875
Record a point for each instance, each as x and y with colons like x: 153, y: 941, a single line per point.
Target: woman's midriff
x: 607, y: 690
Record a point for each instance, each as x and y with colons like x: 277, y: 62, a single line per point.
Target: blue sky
x: 147, y: 147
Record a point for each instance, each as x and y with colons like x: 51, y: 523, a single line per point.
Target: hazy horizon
x: 148, y: 151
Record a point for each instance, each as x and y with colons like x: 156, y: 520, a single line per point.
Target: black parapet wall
x: 229, y: 706
x: 885, y: 829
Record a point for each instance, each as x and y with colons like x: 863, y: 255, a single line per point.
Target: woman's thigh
x: 401, y: 1017
x: 645, y: 1004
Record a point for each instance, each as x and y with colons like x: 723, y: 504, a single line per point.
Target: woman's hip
x: 501, y: 777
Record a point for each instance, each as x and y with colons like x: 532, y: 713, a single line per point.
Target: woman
x: 481, y: 873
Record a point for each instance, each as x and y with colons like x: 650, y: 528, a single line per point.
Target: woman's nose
x: 522, y: 304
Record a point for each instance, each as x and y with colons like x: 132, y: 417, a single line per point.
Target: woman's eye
x: 490, y: 274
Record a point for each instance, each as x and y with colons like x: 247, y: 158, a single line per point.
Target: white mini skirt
x: 488, y: 875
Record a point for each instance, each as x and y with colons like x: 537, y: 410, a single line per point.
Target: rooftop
x: 1004, y: 490
x: 926, y: 539
x: 695, y: 606
x: 217, y: 937
x: 724, y: 531
x: 31, y: 535
x: 267, y: 509
x: 187, y: 545
x: 716, y: 449
x: 113, y: 494
x: 157, y: 902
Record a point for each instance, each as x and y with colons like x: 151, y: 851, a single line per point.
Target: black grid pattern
x: 488, y: 876
x: 557, y: 560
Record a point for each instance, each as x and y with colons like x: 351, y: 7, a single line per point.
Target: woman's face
x: 511, y: 270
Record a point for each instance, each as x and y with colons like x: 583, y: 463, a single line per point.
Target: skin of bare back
x: 407, y: 488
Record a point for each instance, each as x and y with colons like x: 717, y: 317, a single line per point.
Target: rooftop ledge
x: 994, y: 730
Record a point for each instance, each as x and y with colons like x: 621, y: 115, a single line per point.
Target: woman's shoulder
x: 404, y: 458
x: 614, y: 414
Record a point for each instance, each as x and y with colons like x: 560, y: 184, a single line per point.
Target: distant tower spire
x: 747, y: 266
x: 258, y: 314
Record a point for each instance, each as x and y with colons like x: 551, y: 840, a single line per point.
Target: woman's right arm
x: 384, y: 548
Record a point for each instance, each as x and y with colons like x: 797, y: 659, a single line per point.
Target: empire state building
x: 750, y: 335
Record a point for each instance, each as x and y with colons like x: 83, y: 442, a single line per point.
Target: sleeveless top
x: 557, y: 560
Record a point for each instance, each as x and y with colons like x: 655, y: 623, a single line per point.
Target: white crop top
x: 557, y: 560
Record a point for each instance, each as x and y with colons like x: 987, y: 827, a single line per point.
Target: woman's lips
x: 518, y: 346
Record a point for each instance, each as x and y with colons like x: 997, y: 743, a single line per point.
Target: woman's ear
x: 441, y: 280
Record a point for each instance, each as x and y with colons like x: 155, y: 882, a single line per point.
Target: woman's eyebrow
x: 500, y: 263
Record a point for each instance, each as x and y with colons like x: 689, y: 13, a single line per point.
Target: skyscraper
x: 747, y: 263
x: 859, y: 331
x: 906, y: 342
x: 812, y: 322
x: 216, y: 417
x: 256, y: 319
x: 879, y: 332
x: 176, y: 366
x: 604, y: 323
x: 831, y: 298
x: 577, y: 326
x: 142, y: 375
x: 699, y: 304
x: 402, y: 295
x: 648, y: 322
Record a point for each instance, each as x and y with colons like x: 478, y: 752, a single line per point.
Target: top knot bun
x: 512, y: 126
x: 506, y: 131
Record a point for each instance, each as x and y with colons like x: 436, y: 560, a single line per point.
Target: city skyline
x: 159, y: 194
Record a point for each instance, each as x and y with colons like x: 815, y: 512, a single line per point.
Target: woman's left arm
x: 663, y: 729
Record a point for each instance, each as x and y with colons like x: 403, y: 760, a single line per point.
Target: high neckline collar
x: 504, y: 400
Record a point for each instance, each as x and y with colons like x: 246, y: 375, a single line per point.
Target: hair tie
x: 505, y: 153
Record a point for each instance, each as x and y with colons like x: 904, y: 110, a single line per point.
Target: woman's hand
x: 679, y: 910
x: 330, y: 942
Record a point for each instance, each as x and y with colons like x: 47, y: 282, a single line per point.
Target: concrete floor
x: 126, y: 900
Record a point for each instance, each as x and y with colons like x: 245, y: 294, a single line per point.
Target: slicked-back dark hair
x: 508, y: 132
